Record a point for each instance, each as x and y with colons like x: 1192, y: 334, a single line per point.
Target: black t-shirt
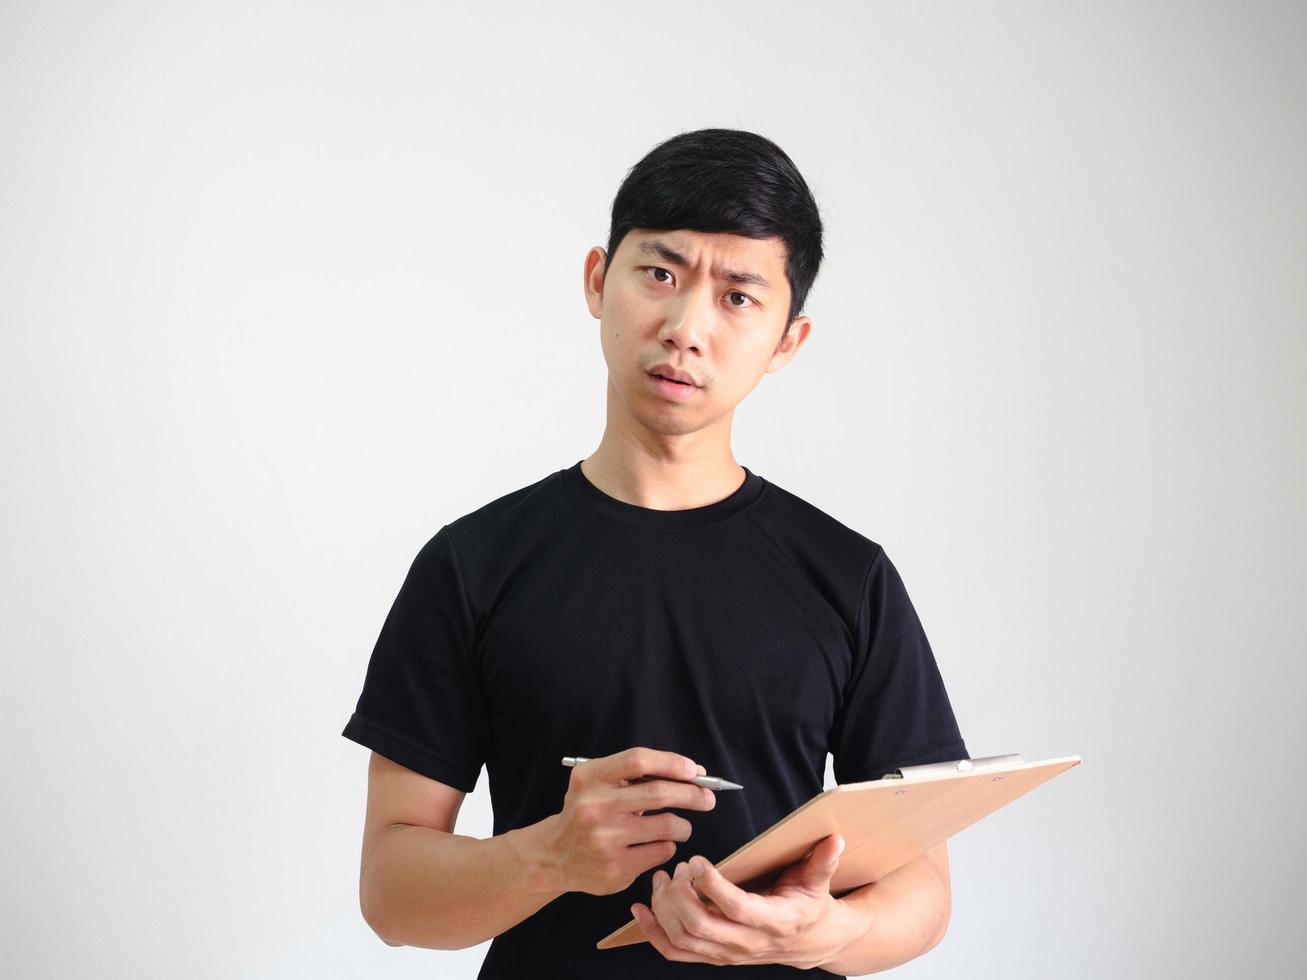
x: 754, y: 635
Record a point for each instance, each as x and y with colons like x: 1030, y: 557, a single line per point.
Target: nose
x: 687, y: 322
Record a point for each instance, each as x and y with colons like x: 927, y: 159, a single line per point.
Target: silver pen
x: 707, y: 782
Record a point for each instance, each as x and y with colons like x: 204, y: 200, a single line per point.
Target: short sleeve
x: 895, y: 710
x: 421, y: 704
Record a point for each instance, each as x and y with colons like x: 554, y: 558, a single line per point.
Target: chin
x: 670, y: 427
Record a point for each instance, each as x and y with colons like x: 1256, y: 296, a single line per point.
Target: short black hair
x: 725, y: 180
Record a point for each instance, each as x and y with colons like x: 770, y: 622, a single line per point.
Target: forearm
x: 424, y: 887
x: 905, y: 914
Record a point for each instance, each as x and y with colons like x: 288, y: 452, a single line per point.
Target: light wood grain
x: 885, y: 823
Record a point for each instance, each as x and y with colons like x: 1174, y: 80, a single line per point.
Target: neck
x: 662, y: 481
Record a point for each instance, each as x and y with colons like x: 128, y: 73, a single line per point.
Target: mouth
x: 672, y: 390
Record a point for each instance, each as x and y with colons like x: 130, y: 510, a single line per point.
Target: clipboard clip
x: 960, y: 765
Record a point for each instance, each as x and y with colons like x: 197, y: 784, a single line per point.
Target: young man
x: 662, y: 610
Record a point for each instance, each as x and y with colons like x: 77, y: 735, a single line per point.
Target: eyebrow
x: 656, y: 248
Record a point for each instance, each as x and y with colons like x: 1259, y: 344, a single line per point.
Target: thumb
x: 836, y: 844
x: 824, y: 859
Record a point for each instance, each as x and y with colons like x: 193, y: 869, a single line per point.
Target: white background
x: 285, y: 287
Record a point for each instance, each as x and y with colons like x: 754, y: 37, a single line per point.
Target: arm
x: 420, y: 884
x: 902, y: 916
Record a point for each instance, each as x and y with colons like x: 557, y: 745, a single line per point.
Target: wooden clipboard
x: 885, y: 823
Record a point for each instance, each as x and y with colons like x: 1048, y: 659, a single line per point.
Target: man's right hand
x: 605, y: 836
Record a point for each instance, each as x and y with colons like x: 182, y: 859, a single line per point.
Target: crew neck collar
x: 741, y: 498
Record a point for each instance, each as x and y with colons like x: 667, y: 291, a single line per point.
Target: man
x: 662, y: 610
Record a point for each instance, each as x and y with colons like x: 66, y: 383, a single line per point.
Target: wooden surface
x: 885, y: 823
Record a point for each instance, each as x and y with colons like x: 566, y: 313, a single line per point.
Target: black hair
x: 725, y: 180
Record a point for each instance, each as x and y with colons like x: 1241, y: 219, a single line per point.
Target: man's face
x: 711, y: 306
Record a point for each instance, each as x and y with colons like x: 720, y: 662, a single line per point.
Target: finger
x: 662, y: 926
x: 823, y: 862
x: 813, y: 873
x: 634, y: 763
x: 658, y: 937
x: 747, y: 908
x: 632, y: 829
x: 656, y: 795
x: 693, y: 926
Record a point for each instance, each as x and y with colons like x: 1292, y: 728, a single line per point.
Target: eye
x: 655, y: 269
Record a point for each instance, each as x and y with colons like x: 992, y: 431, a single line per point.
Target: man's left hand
x: 798, y: 923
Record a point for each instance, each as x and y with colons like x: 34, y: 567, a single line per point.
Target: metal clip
x: 960, y: 765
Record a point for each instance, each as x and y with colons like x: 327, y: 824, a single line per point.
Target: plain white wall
x: 286, y: 287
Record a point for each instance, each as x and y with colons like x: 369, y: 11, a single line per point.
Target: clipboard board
x: 885, y: 823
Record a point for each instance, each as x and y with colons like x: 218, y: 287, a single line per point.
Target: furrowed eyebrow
x: 660, y: 250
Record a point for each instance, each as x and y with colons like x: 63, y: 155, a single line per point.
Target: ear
x: 596, y: 265
x: 789, y: 344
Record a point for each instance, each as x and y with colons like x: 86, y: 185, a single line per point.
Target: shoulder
x: 794, y: 517
x: 508, y: 513
x: 485, y: 543
x: 839, y: 558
